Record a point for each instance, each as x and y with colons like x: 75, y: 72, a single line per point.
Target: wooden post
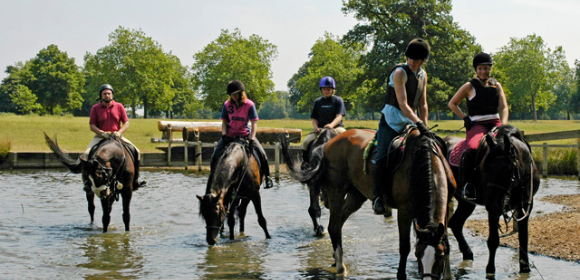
x: 185, y: 157
x: 578, y: 157
x: 545, y: 161
x: 277, y: 159
x: 199, y: 156
x: 169, y: 145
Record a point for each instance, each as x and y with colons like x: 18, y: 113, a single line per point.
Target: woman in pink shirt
x: 238, y: 113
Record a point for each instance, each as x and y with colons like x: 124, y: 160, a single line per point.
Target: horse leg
x: 335, y: 232
x: 257, y: 201
x: 127, y: 195
x: 242, y: 210
x: 492, y: 242
x: 456, y: 223
x: 404, y: 223
x: 91, y: 205
x: 523, y: 240
x: 232, y: 222
x: 107, y: 205
x: 315, y: 211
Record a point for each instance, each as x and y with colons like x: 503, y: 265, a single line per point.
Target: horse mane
x: 421, y: 184
x: 227, y: 150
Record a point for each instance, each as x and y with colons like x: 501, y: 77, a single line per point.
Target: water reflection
x: 111, y: 256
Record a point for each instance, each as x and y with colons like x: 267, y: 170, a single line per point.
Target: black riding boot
x: 305, y: 160
x: 468, y: 192
x: 379, y: 179
x: 136, y: 183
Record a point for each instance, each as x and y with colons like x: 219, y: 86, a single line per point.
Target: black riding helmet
x: 482, y: 58
x: 104, y: 87
x: 418, y: 49
x: 235, y: 86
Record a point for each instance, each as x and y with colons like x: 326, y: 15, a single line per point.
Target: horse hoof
x: 319, y: 231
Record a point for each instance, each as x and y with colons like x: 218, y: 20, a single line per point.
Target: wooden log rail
x: 559, y: 135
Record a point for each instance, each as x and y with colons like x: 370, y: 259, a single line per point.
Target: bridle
x: 111, y: 182
x: 440, y: 241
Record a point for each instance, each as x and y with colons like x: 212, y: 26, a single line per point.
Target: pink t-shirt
x: 238, y: 118
x: 108, y: 118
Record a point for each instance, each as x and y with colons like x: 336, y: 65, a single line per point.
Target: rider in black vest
x: 486, y: 107
x: 406, y: 92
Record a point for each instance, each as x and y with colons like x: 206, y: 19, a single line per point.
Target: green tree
x: 531, y: 72
x: 387, y: 26
x: 275, y: 107
x: 136, y: 66
x: 56, y: 80
x: 16, y: 74
x: 25, y: 100
x: 328, y: 57
x: 233, y: 57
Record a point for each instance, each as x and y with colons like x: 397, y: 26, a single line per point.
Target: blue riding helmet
x: 327, y: 82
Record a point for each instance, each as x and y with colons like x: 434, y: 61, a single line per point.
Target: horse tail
x: 309, y: 176
x: 75, y: 166
x: 422, y: 184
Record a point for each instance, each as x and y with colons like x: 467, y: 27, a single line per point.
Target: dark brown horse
x: 507, y: 179
x: 236, y: 181
x: 316, y: 154
x: 421, y: 189
x: 110, y: 170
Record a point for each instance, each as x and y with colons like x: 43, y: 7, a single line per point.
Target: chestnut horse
x: 507, y: 179
x: 111, y: 171
x: 236, y: 181
x: 421, y: 189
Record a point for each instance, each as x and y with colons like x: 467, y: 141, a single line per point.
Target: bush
x: 4, y: 150
x: 561, y: 161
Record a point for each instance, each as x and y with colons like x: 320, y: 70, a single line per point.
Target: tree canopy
x: 233, y: 57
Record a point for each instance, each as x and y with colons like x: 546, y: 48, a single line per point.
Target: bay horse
x: 506, y: 181
x: 422, y: 186
x: 315, y: 155
x: 111, y: 170
x: 236, y: 181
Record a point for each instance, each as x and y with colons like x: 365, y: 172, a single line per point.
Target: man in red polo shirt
x: 108, y: 118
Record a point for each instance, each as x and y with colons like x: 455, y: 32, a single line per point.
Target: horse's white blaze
x: 428, y: 260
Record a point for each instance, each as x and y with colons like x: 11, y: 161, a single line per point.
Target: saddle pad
x: 455, y: 156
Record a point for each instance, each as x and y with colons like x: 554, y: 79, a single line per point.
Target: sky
x: 185, y: 27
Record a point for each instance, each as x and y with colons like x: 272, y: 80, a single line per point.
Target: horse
x: 236, y: 181
x: 110, y: 169
x: 315, y: 155
x: 423, y: 172
x: 506, y: 181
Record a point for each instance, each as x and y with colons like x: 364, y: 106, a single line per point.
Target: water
x: 45, y: 234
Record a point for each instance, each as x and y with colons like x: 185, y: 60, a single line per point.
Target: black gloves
x: 467, y: 122
x: 251, y: 144
x: 422, y: 128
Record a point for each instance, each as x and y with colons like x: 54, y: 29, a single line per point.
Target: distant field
x: 24, y: 133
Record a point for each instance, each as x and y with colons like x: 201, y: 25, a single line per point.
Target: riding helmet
x: 327, y: 82
x: 418, y: 49
x: 235, y: 86
x: 104, y: 87
x: 482, y: 58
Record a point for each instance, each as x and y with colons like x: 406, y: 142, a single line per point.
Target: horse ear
x: 491, y: 141
x: 199, y: 197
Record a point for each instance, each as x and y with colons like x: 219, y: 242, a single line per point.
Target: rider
x: 108, y: 118
x: 406, y: 92
x: 326, y: 113
x: 237, y: 111
x: 486, y: 108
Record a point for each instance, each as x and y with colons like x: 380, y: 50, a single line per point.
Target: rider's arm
x: 423, y: 107
x: 461, y: 94
x: 254, y: 129
x: 399, y: 82
x: 124, y: 127
x: 334, y: 122
x: 224, y: 127
x: 315, y: 126
x: 97, y: 130
x: 503, y: 107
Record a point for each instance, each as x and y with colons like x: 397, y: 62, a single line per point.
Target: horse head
x: 499, y: 169
x: 104, y: 166
x: 212, y: 210
x: 430, y: 250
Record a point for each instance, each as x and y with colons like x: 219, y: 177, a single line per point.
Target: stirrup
x: 378, y: 206
x: 472, y: 193
x: 268, y: 183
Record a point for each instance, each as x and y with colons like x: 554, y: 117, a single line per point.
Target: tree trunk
x: 534, y: 107
x: 134, y: 113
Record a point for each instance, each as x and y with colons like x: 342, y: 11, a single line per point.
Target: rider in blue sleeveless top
x: 406, y: 92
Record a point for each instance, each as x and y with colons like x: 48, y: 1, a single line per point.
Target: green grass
x: 24, y: 133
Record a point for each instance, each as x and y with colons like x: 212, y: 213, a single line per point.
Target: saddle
x: 129, y: 148
x: 395, y: 152
x: 457, y: 155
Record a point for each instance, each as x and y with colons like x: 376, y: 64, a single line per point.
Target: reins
x: 110, y: 182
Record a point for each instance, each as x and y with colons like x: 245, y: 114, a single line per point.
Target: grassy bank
x: 24, y: 134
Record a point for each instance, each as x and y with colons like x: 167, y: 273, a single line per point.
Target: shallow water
x: 45, y: 234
